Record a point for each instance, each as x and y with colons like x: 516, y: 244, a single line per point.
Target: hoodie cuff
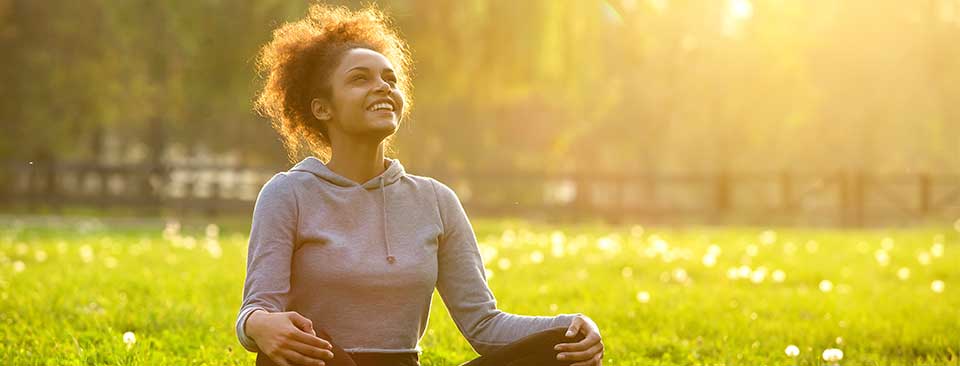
x: 248, y: 343
x: 564, y: 320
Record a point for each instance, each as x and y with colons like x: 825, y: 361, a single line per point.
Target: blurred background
x: 809, y: 112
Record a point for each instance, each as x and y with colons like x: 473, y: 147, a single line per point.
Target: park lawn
x: 69, y: 292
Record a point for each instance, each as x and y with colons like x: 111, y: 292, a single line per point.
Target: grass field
x: 701, y: 296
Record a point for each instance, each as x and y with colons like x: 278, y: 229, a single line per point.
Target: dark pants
x: 533, y: 350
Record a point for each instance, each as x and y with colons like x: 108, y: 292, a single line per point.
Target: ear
x: 320, y: 109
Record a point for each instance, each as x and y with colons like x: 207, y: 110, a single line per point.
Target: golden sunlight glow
x: 740, y: 9
x: 658, y: 5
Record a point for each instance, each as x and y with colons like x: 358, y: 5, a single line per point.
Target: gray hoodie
x: 361, y: 261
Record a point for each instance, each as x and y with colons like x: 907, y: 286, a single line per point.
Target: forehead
x: 362, y: 57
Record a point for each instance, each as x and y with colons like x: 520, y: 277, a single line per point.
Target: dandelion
x: 936, y: 250
x: 508, y: 237
x: 832, y: 355
x: 768, y: 237
x: 883, y: 259
x: 886, y: 243
x: 789, y: 248
x: 626, y: 272
x: 554, y: 307
x: 937, y: 286
x: 713, y: 250
x: 212, y: 231
x: 709, y: 260
x: 744, y: 271
x: 903, y: 273
x: 839, y: 340
x: 826, y: 286
x: 19, y: 266
x: 488, y: 252
x: 110, y: 262
x: 680, y: 275
x: 659, y: 245
x: 923, y: 258
x: 504, y: 263
x: 129, y: 339
x: 536, y: 256
x: 779, y: 276
x: 812, y: 246
x: 758, y: 275
x: 40, y: 256
x: 608, y: 244
x: 643, y: 297
x: 212, y: 246
x: 792, y: 351
x: 21, y: 249
x: 732, y: 273
x: 171, y: 231
x: 752, y: 250
x: 86, y: 253
x: 189, y: 242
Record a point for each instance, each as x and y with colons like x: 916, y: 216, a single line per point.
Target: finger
x: 278, y: 359
x: 574, y: 327
x: 586, y: 342
x: 587, y: 354
x: 302, y: 323
x: 295, y: 358
x: 595, y: 361
x: 311, y: 351
x: 310, y: 339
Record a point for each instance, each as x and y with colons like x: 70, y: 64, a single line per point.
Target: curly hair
x: 298, y: 62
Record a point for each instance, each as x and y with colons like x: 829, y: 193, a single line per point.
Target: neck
x: 358, y: 161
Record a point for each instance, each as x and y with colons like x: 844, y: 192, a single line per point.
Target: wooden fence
x: 759, y: 198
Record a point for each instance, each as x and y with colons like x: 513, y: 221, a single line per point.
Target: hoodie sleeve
x: 462, y: 284
x: 272, y: 239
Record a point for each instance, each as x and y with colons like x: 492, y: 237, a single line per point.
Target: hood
x: 392, y: 174
x: 313, y: 165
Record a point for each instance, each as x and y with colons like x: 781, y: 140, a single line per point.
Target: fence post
x: 583, y: 201
x: 786, y: 192
x: 722, y: 194
x: 924, y: 181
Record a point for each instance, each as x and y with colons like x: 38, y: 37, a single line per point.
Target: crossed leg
x: 533, y: 350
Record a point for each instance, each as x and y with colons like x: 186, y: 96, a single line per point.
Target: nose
x: 383, y: 86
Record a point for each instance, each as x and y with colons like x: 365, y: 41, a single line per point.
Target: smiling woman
x: 309, y: 50
x: 347, y: 249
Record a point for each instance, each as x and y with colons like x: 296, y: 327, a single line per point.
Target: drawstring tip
x: 391, y: 259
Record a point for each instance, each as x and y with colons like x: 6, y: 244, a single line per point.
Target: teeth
x: 380, y: 106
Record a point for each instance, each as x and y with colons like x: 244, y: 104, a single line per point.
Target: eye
x: 359, y: 77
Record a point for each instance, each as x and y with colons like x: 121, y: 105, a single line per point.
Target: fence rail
x: 848, y: 198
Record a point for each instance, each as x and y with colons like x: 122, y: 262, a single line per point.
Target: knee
x: 560, y: 335
x: 322, y: 334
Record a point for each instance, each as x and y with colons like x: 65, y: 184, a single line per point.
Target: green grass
x: 181, y: 302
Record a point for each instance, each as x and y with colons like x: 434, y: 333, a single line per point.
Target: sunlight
x: 740, y: 9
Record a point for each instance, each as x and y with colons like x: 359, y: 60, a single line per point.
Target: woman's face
x: 365, y: 100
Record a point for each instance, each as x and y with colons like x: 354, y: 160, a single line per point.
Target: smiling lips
x: 381, y: 106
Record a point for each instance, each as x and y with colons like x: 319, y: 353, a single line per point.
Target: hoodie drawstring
x: 383, y: 193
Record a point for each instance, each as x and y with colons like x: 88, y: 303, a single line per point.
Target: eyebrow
x: 364, y: 68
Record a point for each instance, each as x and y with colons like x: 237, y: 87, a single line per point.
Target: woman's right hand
x: 288, y: 338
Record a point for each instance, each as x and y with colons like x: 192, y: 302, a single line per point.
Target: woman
x: 344, y: 256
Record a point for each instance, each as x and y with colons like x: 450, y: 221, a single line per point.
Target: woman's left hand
x: 587, y: 352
